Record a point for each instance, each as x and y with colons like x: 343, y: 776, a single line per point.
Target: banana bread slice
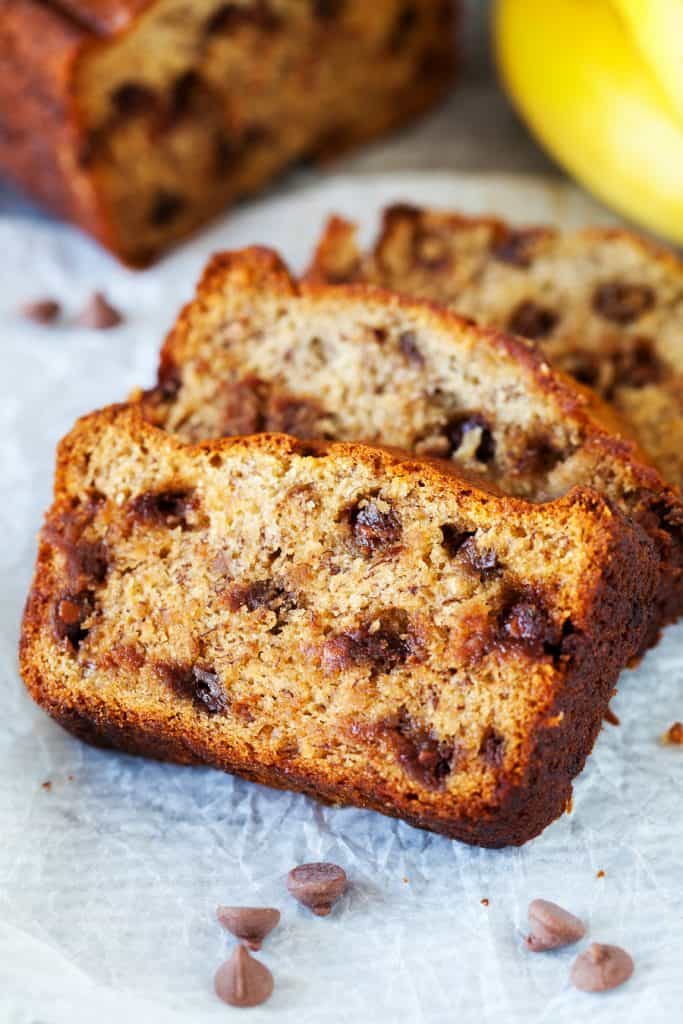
x: 334, y: 619
x: 601, y: 304
x: 255, y: 351
x: 140, y: 119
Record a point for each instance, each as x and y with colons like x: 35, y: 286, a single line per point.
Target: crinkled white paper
x: 109, y: 879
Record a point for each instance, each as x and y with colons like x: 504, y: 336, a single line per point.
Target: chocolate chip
x: 166, y: 207
x: 540, y: 456
x: 622, y: 303
x: 243, y: 981
x: 226, y: 153
x: 673, y: 737
x: 89, y: 559
x: 454, y: 538
x: 298, y: 417
x: 403, y: 27
x: 207, y: 690
x: 42, y: 311
x: 318, y: 886
x: 242, y: 403
x: 327, y: 10
x: 638, y: 366
x: 132, y: 98
x: 484, y: 561
x: 99, y: 314
x: 492, y: 747
x: 426, y: 759
x: 231, y: 17
x: 374, y: 528
x: 70, y: 612
x: 516, y: 248
x: 459, y: 426
x: 383, y: 644
x: 260, y: 594
x: 185, y: 91
x: 163, y: 508
x: 551, y: 927
x: 250, y: 924
x: 531, y: 320
x: 202, y: 685
x: 169, y: 379
x: 525, y: 621
x: 407, y: 342
x: 601, y: 968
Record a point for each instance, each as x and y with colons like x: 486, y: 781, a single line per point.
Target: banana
x: 575, y: 74
x: 657, y: 30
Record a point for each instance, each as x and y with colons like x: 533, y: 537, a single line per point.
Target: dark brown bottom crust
x: 96, y: 727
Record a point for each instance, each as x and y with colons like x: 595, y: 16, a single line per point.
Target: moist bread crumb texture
x: 140, y: 119
x: 600, y: 304
x: 257, y: 351
x: 334, y: 619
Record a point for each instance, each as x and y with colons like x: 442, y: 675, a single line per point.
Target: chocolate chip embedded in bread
x: 166, y: 207
x: 460, y: 426
x: 531, y: 320
x: 484, y: 561
x: 327, y: 10
x: 201, y: 685
x: 132, y: 98
x: 99, y: 314
x: 516, y: 248
x: 243, y: 981
x: 601, y: 968
x: 383, y: 644
x: 492, y: 747
x: 318, y: 886
x: 267, y: 593
x: 621, y: 302
x: 404, y: 25
x: 454, y: 538
x: 288, y: 414
x: 551, y: 927
x: 425, y: 758
x: 250, y: 924
x: 374, y: 525
x: 70, y: 613
x: 407, y: 342
x: 639, y: 365
x: 525, y: 621
x: 41, y: 311
x: 163, y: 508
x: 231, y: 17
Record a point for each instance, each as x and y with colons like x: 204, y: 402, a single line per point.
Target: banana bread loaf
x: 140, y: 119
x: 601, y: 304
x: 333, y: 619
x: 255, y: 351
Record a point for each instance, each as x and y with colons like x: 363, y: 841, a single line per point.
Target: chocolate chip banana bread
x: 140, y: 119
x: 366, y: 628
x: 255, y: 351
x: 601, y: 304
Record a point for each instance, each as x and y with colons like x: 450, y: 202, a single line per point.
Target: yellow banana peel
x: 575, y: 73
x: 656, y: 27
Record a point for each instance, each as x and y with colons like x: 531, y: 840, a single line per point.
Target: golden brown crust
x: 623, y: 470
x: 60, y: 144
x: 605, y: 580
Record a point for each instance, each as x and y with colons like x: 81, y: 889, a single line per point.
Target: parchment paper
x: 110, y: 877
